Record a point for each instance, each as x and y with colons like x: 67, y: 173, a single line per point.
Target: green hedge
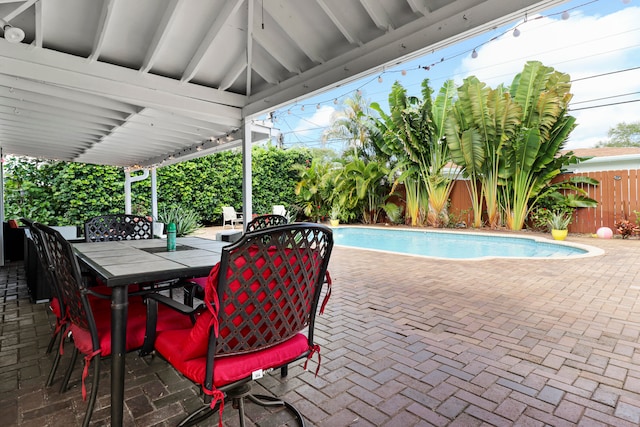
x: 59, y: 193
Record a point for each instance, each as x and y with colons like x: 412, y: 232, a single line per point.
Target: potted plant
x: 558, y: 223
x: 334, y: 216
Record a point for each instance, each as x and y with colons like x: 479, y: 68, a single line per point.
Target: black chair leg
x: 273, y: 401
x: 198, y: 416
x: 65, y: 381
x: 56, y: 360
x: 94, y: 390
x: 284, y: 371
x: 53, y: 340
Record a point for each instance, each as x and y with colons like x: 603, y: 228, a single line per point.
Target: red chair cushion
x: 136, y: 325
x: 54, y: 305
x: 169, y: 319
x: 172, y: 344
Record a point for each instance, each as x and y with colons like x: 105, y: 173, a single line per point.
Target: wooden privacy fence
x: 618, y: 195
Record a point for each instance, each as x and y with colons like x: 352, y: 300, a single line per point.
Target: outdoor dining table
x: 122, y: 263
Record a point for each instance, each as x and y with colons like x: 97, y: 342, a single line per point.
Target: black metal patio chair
x: 88, y: 314
x: 264, y: 221
x: 105, y: 228
x: 261, y: 301
x: 56, y: 304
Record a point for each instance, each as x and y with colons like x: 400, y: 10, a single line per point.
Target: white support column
x: 154, y: 195
x: 247, y: 199
x: 127, y: 192
x: 128, y: 179
x: 1, y: 207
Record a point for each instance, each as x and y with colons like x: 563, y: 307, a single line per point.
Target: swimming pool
x: 456, y: 245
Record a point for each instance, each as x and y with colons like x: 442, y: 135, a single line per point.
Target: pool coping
x: 591, y: 251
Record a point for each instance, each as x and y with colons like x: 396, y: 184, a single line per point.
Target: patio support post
x: 247, y: 199
x: 127, y: 192
x: 128, y: 179
x: 154, y: 194
x: 1, y: 207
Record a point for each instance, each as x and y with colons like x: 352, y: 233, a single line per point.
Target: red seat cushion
x: 172, y: 344
x: 186, y: 349
x: 136, y: 325
x: 54, y: 305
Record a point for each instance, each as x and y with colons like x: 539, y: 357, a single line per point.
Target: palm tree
x: 352, y: 125
x: 310, y: 188
x: 363, y: 185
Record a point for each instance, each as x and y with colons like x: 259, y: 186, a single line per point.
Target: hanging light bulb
x: 403, y: 72
x: 379, y: 79
x: 13, y: 34
x: 302, y: 108
x: 288, y: 111
x: 318, y: 107
x: 359, y: 92
x: 565, y: 15
x: 516, y: 32
x: 474, y: 54
x: 626, y: 1
x: 335, y: 101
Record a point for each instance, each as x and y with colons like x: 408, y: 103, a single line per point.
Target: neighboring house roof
x: 606, y: 159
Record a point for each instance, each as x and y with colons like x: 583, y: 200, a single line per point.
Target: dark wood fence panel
x: 460, y: 207
x: 618, y: 196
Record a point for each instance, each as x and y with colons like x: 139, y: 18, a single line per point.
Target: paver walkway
x: 405, y: 342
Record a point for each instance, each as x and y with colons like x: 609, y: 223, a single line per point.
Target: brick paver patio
x: 405, y: 341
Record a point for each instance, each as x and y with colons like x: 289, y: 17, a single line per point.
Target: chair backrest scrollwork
x: 270, y: 287
x: 107, y: 228
x: 264, y: 221
x: 64, y: 267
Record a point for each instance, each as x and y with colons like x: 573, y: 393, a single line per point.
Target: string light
x: 515, y: 32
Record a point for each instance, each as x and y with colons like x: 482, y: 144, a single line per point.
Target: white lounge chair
x: 279, y: 210
x: 230, y: 216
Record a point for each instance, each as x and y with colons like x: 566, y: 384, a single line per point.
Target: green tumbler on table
x: 171, y: 237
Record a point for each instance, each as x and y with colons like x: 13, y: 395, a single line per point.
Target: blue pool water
x: 456, y: 245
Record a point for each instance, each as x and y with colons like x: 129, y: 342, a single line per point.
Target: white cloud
x: 582, y: 46
x: 321, y: 118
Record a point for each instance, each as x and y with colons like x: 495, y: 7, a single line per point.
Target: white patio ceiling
x: 135, y: 82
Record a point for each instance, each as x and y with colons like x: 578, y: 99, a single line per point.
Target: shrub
x: 186, y: 220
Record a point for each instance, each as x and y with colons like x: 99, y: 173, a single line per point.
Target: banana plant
x: 477, y: 128
x: 414, y: 130
x: 530, y: 161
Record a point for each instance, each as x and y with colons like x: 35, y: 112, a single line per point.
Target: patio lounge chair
x: 261, y: 302
x: 279, y: 210
x: 230, y: 216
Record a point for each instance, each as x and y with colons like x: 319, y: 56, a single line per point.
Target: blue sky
x: 599, y: 40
